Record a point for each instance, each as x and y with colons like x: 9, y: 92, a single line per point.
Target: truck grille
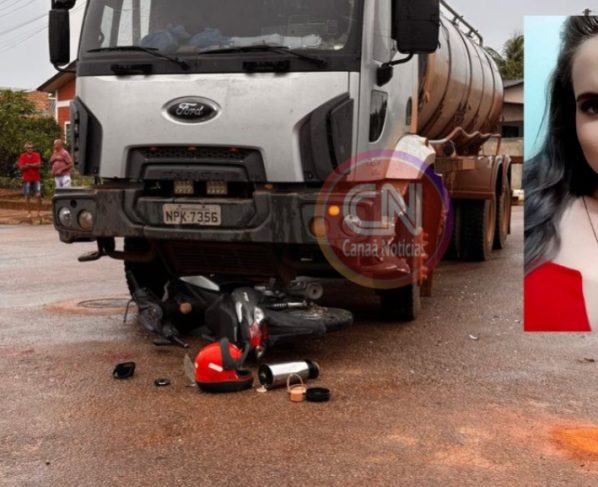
x: 229, y: 164
x: 195, y: 153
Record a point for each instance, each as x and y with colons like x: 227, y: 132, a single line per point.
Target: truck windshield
x: 185, y: 27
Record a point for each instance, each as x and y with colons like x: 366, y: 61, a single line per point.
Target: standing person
x: 561, y: 193
x: 29, y: 164
x: 61, y: 164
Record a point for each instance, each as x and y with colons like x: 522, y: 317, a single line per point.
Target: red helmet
x: 218, y: 368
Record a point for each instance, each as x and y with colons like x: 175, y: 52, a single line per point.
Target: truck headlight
x: 86, y: 220
x: 65, y: 217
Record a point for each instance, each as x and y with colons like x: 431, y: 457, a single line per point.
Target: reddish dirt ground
x: 414, y: 404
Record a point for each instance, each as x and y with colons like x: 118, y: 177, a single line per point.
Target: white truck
x: 210, y: 127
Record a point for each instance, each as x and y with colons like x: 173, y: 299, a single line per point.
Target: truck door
x: 387, y: 112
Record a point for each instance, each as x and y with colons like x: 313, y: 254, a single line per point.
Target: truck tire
x: 478, y: 220
x: 503, y: 218
x: 401, y: 304
x: 152, y: 275
x: 453, y: 252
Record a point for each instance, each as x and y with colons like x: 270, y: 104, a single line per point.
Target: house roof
x: 509, y: 83
x: 59, y: 79
x: 40, y: 100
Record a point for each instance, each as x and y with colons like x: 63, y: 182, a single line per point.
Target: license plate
x: 206, y: 215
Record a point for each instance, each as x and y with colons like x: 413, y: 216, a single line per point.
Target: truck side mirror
x: 60, y: 37
x: 416, y: 25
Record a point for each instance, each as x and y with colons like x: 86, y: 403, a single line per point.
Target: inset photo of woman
x: 561, y: 174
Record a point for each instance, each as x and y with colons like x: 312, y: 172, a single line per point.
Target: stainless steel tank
x: 460, y: 86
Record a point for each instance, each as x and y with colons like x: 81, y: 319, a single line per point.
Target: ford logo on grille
x: 191, y: 110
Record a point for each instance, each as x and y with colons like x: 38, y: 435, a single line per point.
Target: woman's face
x: 585, y: 87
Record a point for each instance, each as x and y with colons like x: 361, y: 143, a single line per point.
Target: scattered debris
x: 190, y: 371
x: 124, y: 370
x: 278, y: 375
x: 317, y: 394
x: 296, y: 392
x: 218, y: 368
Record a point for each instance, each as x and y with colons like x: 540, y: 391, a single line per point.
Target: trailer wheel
x: 152, y: 275
x: 478, y: 220
x: 401, y: 304
x: 503, y: 218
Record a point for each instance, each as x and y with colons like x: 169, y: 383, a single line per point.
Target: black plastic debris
x: 124, y: 370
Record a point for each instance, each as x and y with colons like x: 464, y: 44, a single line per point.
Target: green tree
x: 510, y: 60
x: 513, y: 57
x: 495, y: 56
x: 19, y: 124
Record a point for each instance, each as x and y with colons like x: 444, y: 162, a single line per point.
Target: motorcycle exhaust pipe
x: 276, y: 375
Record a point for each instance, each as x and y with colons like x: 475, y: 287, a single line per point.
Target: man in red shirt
x: 30, y: 163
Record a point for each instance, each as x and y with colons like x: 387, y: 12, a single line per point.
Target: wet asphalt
x: 460, y: 397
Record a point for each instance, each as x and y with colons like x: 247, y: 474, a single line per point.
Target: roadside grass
x: 48, y: 186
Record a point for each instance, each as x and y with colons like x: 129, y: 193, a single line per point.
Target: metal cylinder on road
x: 276, y: 375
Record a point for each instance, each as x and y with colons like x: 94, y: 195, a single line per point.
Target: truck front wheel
x: 152, y: 275
x: 402, y: 304
x: 478, y: 220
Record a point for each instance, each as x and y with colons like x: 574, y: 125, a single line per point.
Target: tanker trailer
x: 211, y: 146
x: 460, y: 105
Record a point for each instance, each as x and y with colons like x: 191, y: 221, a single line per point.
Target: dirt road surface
x: 460, y: 397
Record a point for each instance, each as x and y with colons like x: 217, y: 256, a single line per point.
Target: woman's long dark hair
x: 560, y: 171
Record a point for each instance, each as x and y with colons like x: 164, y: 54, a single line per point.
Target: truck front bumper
x: 274, y: 218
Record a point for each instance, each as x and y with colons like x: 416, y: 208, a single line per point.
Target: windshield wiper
x: 150, y: 50
x: 318, y: 61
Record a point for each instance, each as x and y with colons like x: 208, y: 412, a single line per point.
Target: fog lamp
x: 217, y: 188
x: 65, y: 217
x: 319, y: 227
x: 86, y: 220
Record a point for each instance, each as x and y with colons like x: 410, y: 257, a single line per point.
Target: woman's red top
x: 554, y: 300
